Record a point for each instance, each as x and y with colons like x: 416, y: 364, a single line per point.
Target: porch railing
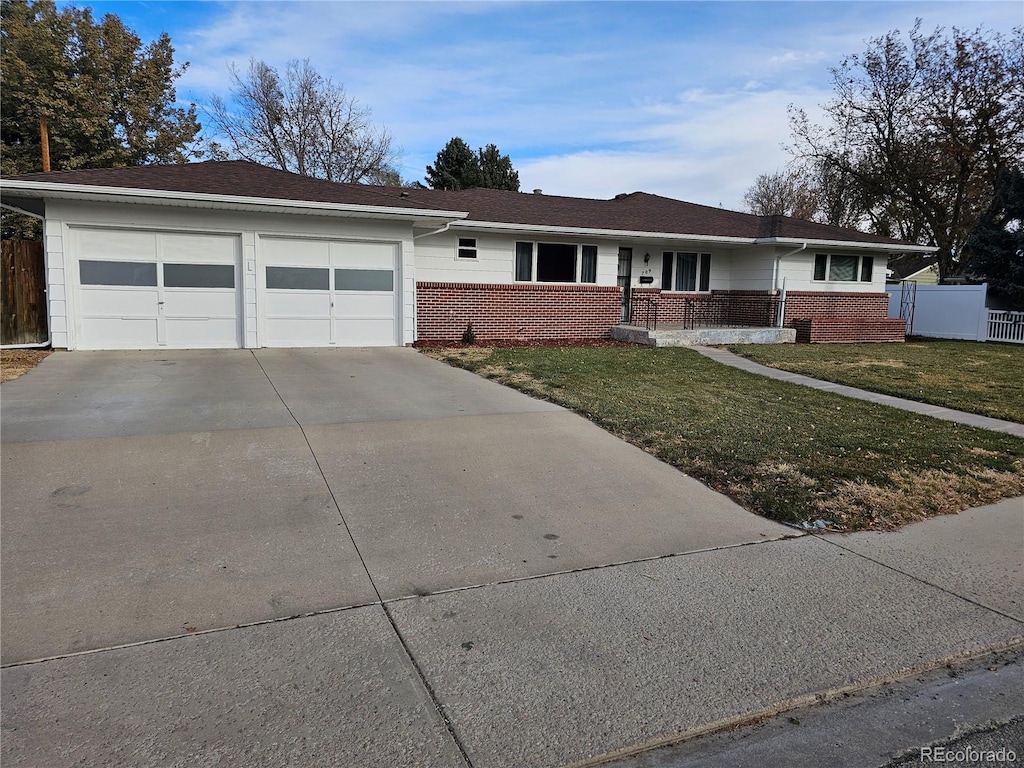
x: 1006, y: 326
x: 645, y: 312
x: 730, y: 311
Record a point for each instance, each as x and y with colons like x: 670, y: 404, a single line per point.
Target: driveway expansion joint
x: 919, y: 580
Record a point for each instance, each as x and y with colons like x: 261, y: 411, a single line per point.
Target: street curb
x: 799, y: 702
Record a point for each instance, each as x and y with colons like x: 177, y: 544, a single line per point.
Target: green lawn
x: 785, y: 451
x: 971, y: 376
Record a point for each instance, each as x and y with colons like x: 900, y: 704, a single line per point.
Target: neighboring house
x: 234, y: 254
x: 921, y: 269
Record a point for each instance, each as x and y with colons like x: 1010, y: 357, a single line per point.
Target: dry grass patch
x: 17, y: 362
x: 912, y: 497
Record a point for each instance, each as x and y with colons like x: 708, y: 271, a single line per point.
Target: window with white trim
x: 692, y: 271
x: 467, y: 248
x: 843, y: 268
x: 556, y: 263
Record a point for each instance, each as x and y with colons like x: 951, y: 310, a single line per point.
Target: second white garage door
x: 319, y: 293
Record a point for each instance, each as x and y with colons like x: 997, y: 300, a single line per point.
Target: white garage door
x: 319, y: 293
x: 152, y: 290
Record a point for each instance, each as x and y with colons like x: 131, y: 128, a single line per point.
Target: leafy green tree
x: 997, y: 242
x: 922, y: 127
x: 456, y: 167
x: 106, y: 99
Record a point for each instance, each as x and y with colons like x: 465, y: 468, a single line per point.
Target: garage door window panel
x: 364, y: 280
x: 131, y: 273
x: 199, y: 276
x: 298, y: 278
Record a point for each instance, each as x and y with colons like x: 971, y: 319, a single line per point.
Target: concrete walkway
x: 726, y: 357
x: 360, y: 558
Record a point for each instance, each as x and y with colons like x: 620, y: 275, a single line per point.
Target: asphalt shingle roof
x: 635, y: 212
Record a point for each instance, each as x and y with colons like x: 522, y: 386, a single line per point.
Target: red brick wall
x: 804, y: 304
x: 848, y: 330
x: 517, y: 311
x: 822, y: 318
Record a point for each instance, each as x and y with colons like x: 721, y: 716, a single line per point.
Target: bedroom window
x: 843, y: 269
x: 692, y: 271
x: 588, y: 265
x: 467, y: 248
x: 556, y: 263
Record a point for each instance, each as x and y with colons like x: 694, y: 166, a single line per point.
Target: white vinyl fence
x: 956, y: 312
x: 1006, y: 326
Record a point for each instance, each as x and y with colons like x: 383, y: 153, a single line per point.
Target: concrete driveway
x: 366, y: 558
x: 153, y: 494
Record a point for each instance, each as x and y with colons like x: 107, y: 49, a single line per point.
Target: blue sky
x: 591, y: 99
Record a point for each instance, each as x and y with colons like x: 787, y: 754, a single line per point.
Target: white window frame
x: 858, y: 270
x: 676, y: 255
x: 459, y: 248
x: 577, y: 268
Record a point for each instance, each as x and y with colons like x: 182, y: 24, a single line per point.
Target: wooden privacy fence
x: 23, y: 296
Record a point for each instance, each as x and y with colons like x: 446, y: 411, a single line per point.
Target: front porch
x: 678, y: 335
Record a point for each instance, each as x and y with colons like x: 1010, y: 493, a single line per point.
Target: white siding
x: 798, y: 270
x: 436, y: 259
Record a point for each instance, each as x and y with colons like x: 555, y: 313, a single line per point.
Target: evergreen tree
x: 496, y: 171
x: 456, y: 167
x: 997, y: 242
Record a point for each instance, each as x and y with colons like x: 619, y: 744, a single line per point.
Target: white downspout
x: 775, y: 282
x: 40, y: 344
x: 435, y: 232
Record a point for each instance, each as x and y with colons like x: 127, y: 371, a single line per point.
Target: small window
x: 843, y: 269
x: 524, y: 262
x: 588, y: 264
x: 364, y: 280
x: 467, y: 247
x: 199, y: 276
x: 556, y: 263
x: 117, y: 273
x: 820, y: 266
x: 705, y: 272
x: 867, y: 266
x: 667, y: 257
x: 298, y: 278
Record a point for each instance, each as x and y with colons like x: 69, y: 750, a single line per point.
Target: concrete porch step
x: 688, y: 337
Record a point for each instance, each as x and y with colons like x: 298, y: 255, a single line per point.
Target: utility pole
x: 44, y: 136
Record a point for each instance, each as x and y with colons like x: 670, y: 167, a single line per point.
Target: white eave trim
x: 50, y: 190
x: 595, y: 232
x: 500, y: 226
x: 846, y: 245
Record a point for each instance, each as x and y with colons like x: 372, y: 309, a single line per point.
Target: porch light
x: 647, y: 258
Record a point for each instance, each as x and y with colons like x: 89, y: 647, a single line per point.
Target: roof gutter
x: 435, y: 232
x: 53, y: 190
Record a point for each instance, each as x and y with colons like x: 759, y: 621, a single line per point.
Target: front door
x: 625, y: 278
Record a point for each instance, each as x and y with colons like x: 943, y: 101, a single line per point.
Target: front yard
x: 976, y: 377
x: 787, y: 452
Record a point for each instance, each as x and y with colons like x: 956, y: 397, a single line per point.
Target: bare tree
x: 304, y: 123
x: 922, y: 129
x: 783, y: 193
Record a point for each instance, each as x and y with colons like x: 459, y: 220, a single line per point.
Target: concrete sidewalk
x: 725, y: 357
x: 565, y: 669
x: 367, y: 558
